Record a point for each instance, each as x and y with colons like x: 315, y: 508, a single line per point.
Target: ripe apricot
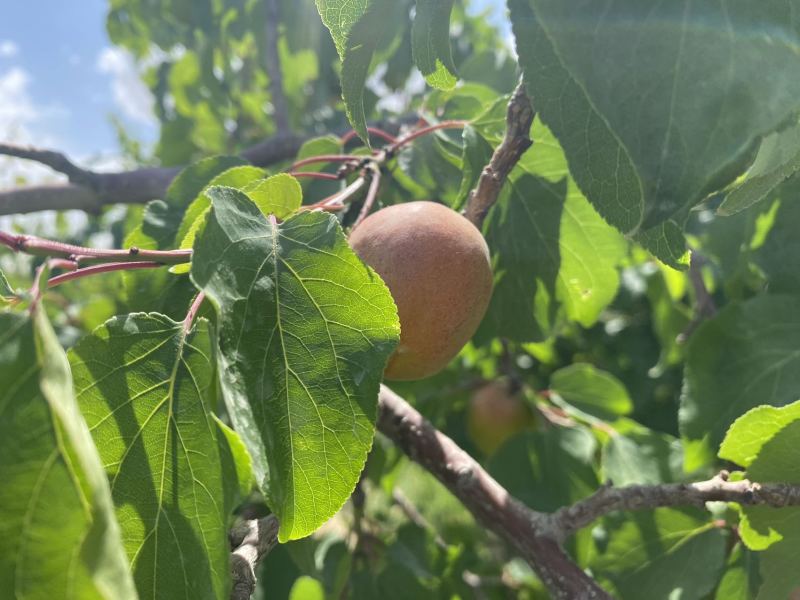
x: 437, y: 267
x: 495, y: 414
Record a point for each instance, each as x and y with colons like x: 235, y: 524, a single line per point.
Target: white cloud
x: 130, y: 94
x: 8, y: 49
x: 19, y: 118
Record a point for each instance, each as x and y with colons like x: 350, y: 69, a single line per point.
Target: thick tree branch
x: 524, y: 529
x: 608, y: 499
x: 516, y: 141
x: 273, y: 67
x: 251, y: 542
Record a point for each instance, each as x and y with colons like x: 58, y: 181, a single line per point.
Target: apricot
x: 437, y: 267
x: 495, y: 414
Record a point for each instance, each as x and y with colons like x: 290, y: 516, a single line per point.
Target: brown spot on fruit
x: 437, y: 267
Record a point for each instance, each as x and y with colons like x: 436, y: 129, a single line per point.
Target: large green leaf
x: 658, y: 103
x: 58, y: 534
x: 663, y: 553
x: 430, y: 43
x: 363, y: 39
x: 305, y: 332
x: 745, y: 356
x: 147, y: 386
x: 642, y: 457
x: 551, y: 249
x: 779, y: 256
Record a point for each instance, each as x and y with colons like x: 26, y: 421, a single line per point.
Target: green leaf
x: 642, y: 457
x: 236, y: 177
x: 6, y: 291
x: 364, y: 38
x: 667, y: 243
x: 147, y: 387
x: 619, y: 86
x: 740, y: 581
x: 305, y: 332
x: 745, y: 356
x: 663, y: 553
x: 339, y: 17
x: 58, y: 534
x: 237, y: 466
x: 547, y: 470
x: 591, y: 390
x: 551, y: 250
x: 775, y: 531
x: 430, y: 39
x: 778, y: 158
x: 746, y: 437
x: 279, y: 195
x: 779, y: 256
x: 307, y: 588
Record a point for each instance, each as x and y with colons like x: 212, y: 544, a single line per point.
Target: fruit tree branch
x: 251, y: 542
x: 524, y: 529
x: 516, y: 141
x: 608, y: 499
x: 90, y: 191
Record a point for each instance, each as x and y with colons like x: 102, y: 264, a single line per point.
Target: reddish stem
x: 42, y: 247
x: 103, y: 268
x: 325, y: 158
x: 313, y: 175
x: 62, y: 263
x: 372, y: 193
x: 426, y: 130
x: 193, y: 310
x: 336, y: 201
x: 372, y: 130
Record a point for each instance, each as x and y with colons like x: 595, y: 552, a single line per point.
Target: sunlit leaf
x: 305, y: 332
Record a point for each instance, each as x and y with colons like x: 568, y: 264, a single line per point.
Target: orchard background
x: 191, y: 396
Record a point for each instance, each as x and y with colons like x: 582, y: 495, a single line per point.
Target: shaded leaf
x: 663, y: 553
x: 591, y: 390
x: 305, y: 332
x: 619, y: 87
x: 642, y: 457
x: 58, y: 534
x: 745, y: 356
x: 778, y: 158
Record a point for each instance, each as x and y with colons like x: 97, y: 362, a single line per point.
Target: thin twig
x: 193, y: 310
x: 315, y: 175
x: 372, y: 194
x: 326, y: 158
x: 608, y: 499
x: 705, y: 307
x: 407, y: 139
x: 251, y: 542
x: 42, y: 247
x: 101, y: 268
x: 519, y: 118
x: 377, y: 132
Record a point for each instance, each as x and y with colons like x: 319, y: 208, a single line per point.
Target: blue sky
x: 61, y: 79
